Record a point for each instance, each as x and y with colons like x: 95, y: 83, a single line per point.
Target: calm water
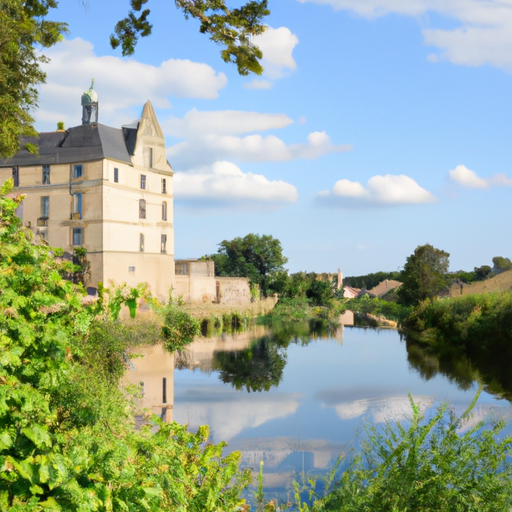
x: 297, y: 404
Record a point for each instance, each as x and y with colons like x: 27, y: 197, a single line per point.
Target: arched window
x: 164, y: 210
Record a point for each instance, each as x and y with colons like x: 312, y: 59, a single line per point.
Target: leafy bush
x: 67, y: 438
x: 428, y: 465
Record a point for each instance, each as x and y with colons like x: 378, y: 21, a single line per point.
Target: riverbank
x: 253, y: 309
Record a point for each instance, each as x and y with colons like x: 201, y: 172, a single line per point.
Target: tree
x: 501, y: 263
x: 424, y: 275
x: 24, y: 28
x: 482, y: 273
x: 231, y: 28
x: 255, y: 257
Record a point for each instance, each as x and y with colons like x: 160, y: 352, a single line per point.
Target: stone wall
x: 233, y: 290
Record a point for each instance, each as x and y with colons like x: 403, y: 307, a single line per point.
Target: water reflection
x: 294, y: 397
x: 464, y: 368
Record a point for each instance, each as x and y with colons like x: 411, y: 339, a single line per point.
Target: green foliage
x: 318, y: 288
x: 424, y: 275
x: 482, y: 273
x: 369, y: 281
x: 231, y: 28
x: 67, y: 439
x: 256, y: 257
x: 23, y: 25
x: 465, y: 277
x: 429, y: 465
x: 472, y: 321
x: 502, y: 263
x: 378, y: 307
x: 179, y: 327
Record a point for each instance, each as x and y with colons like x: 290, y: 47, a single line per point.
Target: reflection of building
x: 106, y: 189
x: 154, y: 372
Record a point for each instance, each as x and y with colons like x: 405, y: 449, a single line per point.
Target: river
x: 296, y: 400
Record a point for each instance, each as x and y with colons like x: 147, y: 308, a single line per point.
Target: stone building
x: 106, y: 189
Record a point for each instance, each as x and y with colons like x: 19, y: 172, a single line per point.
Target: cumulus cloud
x: 277, y: 45
x: 483, y: 37
x: 222, y: 122
x: 223, y: 184
x: 252, y: 148
x: 385, y: 190
x: 469, y: 179
x: 121, y: 83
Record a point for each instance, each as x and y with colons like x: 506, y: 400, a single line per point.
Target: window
x: 142, y: 209
x: 77, y: 171
x: 45, y: 207
x: 164, y: 186
x: 77, y: 236
x: 141, y: 242
x: 16, y: 176
x: 143, y: 181
x: 77, y: 206
x: 116, y: 175
x: 163, y: 244
x: 46, y: 174
x: 164, y: 210
x: 148, y: 157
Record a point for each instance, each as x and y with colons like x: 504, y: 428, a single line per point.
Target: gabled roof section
x: 81, y: 143
x: 148, y: 124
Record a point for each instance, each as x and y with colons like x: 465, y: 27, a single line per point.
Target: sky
x: 377, y: 126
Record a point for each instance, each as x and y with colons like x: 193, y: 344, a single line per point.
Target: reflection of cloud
x: 226, y: 414
x: 482, y: 413
x: 385, y: 190
x: 467, y: 178
x: 380, y: 410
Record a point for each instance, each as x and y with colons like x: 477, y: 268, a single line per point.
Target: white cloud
x: 277, y: 45
x: 222, y: 122
x: 483, y: 37
x: 469, y: 179
x: 258, y: 84
x: 121, y: 84
x: 386, y: 190
x: 225, y: 185
x: 252, y: 148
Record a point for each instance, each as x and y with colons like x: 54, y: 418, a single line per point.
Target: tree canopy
x: 24, y: 29
x: 255, y: 256
x: 424, y: 275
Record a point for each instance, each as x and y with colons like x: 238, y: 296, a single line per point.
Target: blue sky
x: 378, y: 125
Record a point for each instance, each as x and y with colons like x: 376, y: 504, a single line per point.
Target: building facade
x: 105, y: 189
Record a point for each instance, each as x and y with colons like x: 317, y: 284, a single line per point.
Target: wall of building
x: 234, y: 290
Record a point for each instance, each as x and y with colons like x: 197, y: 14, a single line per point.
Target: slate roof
x: 81, y: 143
